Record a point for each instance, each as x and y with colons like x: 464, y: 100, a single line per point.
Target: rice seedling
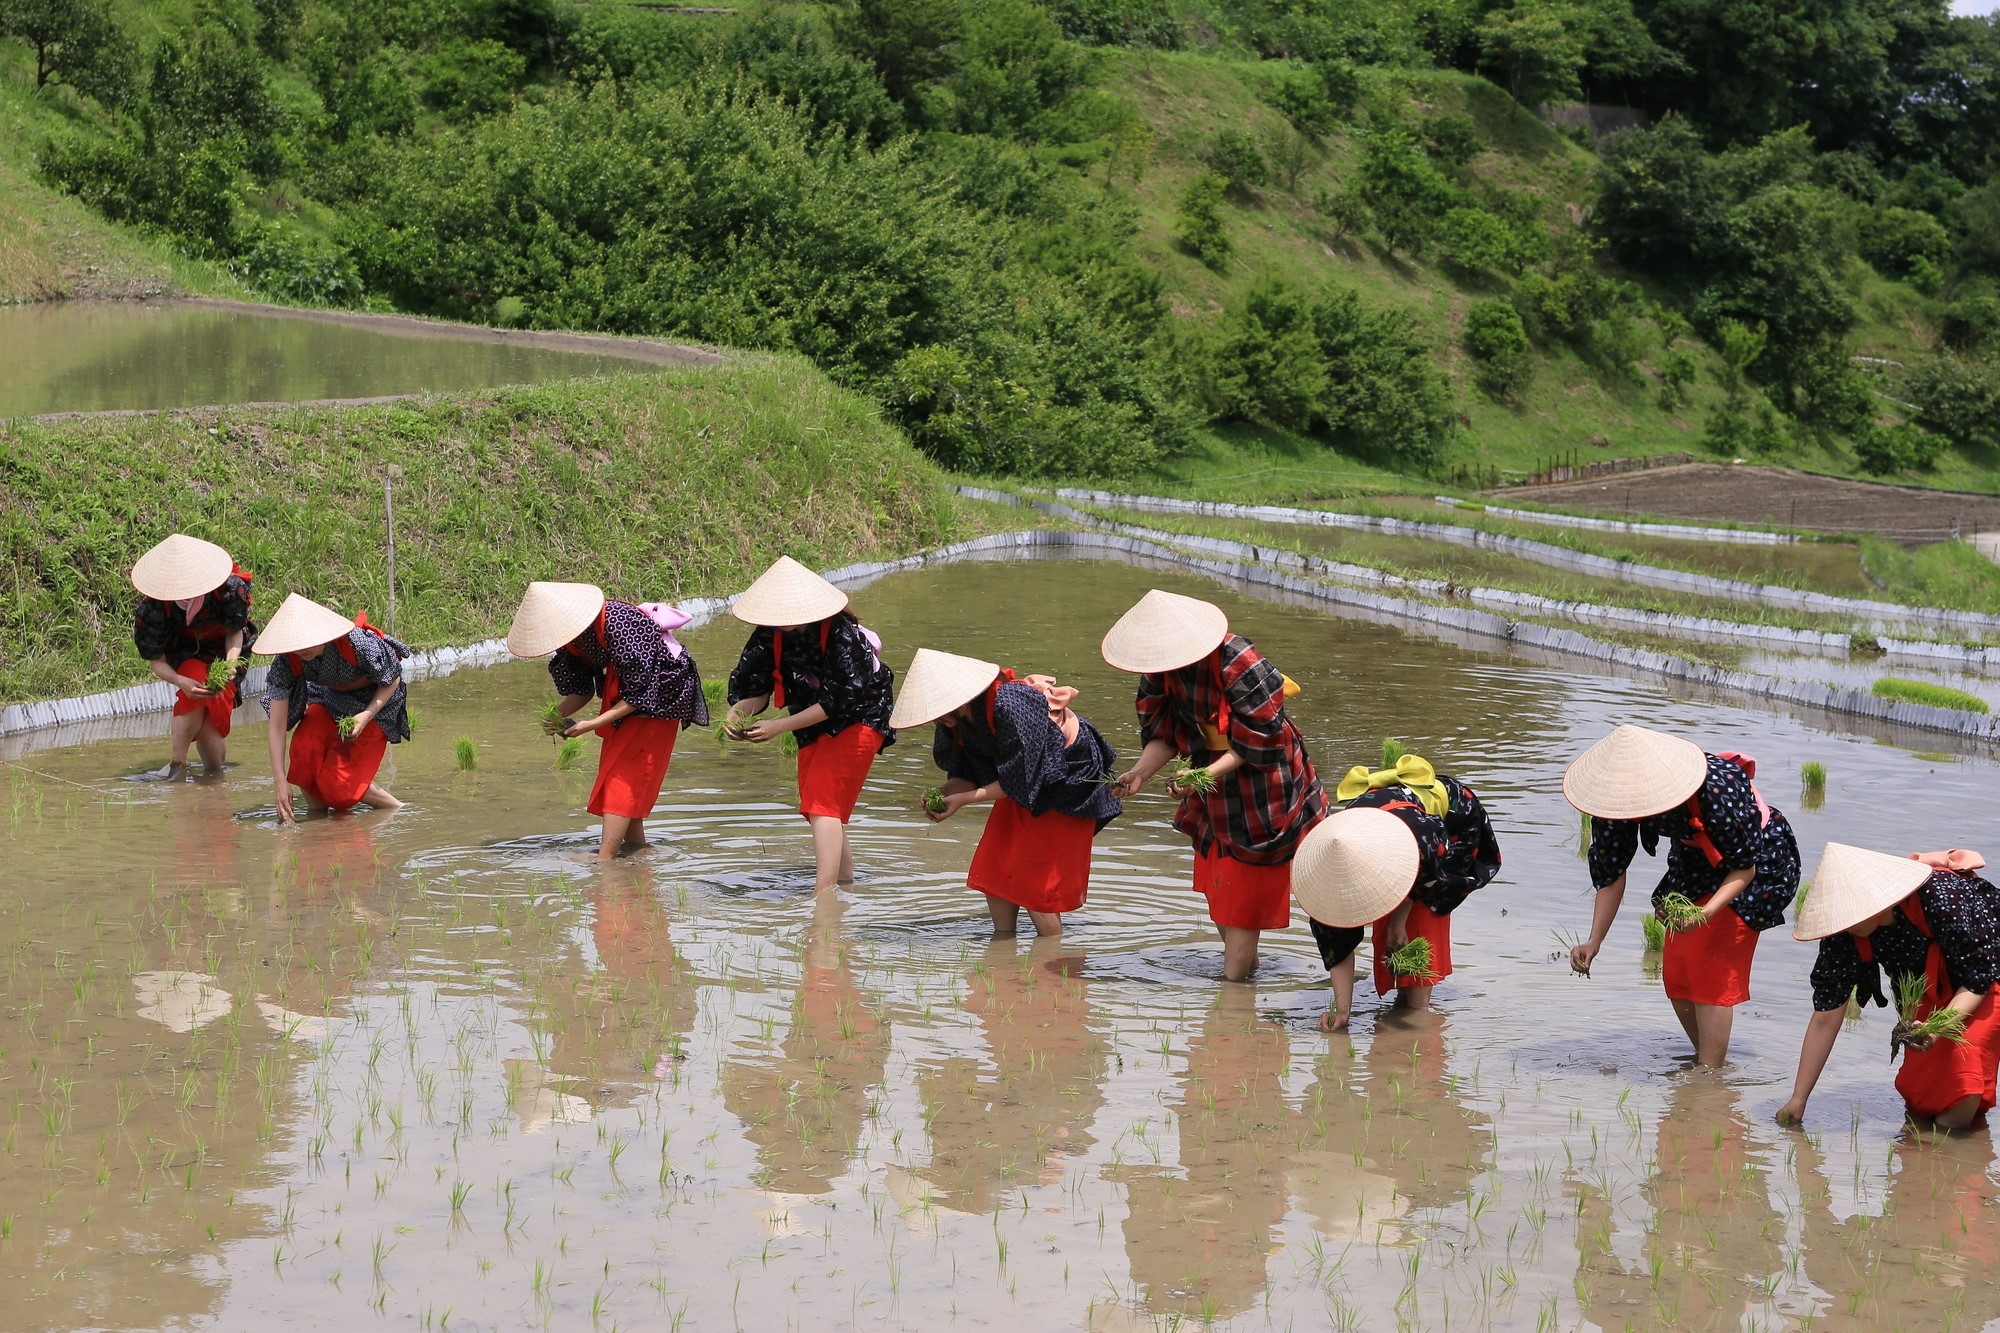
x: 1944, y: 1022
x: 1813, y: 774
x: 735, y: 727
x: 1678, y: 912
x: 467, y: 754
x: 716, y: 693
x: 934, y: 800
x: 568, y: 753
x: 1656, y: 934
x: 788, y: 745
x: 1583, y: 835
x: 221, y: 672
x: 552, y: 720
x: 412, y: 719
x: 1414, y: 959
x: 1392, y: 750
x: 1924, y: 692
x: 346, y: 728
x: 1182, y: 774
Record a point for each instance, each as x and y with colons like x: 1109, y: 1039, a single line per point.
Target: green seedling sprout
x: 1678, y: 912
x: 467, y: 752
x: 1392, y: 750
x: 1813, y: 774
x: 934, y: 800
x: 221, y: 672
x: 346, y: 728
x: 1656, y: 934
x: 1182, y: 774
x: 1583, y: 835
x: 568, y: 753
x: 1414, y: 960
x: 1944, y: 1021
x: 552, y: 719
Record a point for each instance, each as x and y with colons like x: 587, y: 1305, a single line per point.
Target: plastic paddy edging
x: 1631, y: 527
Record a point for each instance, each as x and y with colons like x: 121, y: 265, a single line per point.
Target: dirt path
x: 1715, y: 491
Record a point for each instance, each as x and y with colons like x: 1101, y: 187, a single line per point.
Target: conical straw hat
x: 551, y: 615
x: 788, y: 594
x: 1853, y: 884
x: 1635, y: 772
x: 301, y: 623
x: 1354, y: 867
x: 1165, y: 631
x: 181, y: 567
x: 936, y: 683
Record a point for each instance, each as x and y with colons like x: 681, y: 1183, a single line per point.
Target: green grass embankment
x: 661, y: 486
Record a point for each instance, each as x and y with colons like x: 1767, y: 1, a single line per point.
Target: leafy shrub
x: 291, y: 266
x: 1498, y: 342
x: 77, y: 42
x: 1971, y: 323
x: 1472, y: 239
x: 1119, y: 22
x: 1746, y: 427
x: 1236, y: 157
x: 466, y: 79
x: 1900, y: 448
x: 1957, y: 398
x: 1452, y: 138
x: 1345, y: 212
x: 1198, y: 222
x: 1403, y: 188
x: 1677, y: 372
x: 189, y: 195
x: 1315, y: 99
x: 1895, y: 240
x: 1270, y: 366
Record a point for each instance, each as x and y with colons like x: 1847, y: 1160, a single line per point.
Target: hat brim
x: 937, y: 683
x: 1355, y: 867
x: 301, y: 623
x: 181, y: 567
x: 1852, y: 884
x: 788, y: 594
x: 1164, y: 632
x: 550, y: 615
x: 1635, y: 773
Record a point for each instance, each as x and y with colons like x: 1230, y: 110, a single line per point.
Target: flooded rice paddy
x: 439, y: 1070
x: 91, y: 356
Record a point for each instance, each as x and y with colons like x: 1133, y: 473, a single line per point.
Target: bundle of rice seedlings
x: 552, y: 719
x: 412, y: 720
x: 716, y: 692
x: 1186, y: 776
x: 1813, y: 774
x: 345, y: 726
x: 1944, y: 1022
x: 1392, y: 750
x: 221, y: 672
x: 1413, y: 960
x: 569, y: 752
x: 1924, y: 692
x: 1583, y: 835
x: 1678, y: 912
x: 934, y: 800
x: 735, y: 728
x: 467, y: 752
x: 1656, y: 934
x: 788, y: 745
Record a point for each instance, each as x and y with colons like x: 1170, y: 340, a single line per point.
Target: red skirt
x: 1422, y: 923
x: 1710, y: 964
x: 1040, y: 862
x: 632, y: 766
x: 219, y: 707
x: 832, y: 769
x: 1931, y: 1081
x: 334, y: 772
x: 1242, y: 895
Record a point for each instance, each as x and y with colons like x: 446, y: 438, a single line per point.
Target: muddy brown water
x: 92, y: 356
x: 437, y: 1069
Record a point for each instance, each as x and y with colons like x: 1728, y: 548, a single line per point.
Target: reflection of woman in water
x: 804, y: 1111
x: 1015, y: 743
x: 1714, y: 1239
x: 1928, y: 924
x: 1200, y: 1242
x: 1012, y: 1119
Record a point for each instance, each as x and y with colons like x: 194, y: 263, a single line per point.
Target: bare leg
x: 833, y: 859
x: 214, y: 749
x: 1959, y: 1115
x: 1413, y: 997
x: 1684, y: 1010
x: 635, y: 837
x: 1046, y: 923
x: 1712, y: 1025
x: 186, y: 726
x: 1006, y: 916
x: 1239, y: 952
x: 1341, y: 977
x: 613, y: 836
x: 378, y: 796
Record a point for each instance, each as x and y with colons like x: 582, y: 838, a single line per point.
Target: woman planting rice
x: 1731, y: 871
x: 1014, y: 742
x: 1932, y: 926
x: 329, y: 669
x: 1207, y: 694
x: 191, y: 624
x: 627, y: 654
x: 1410, y: 847
x: 811, y: 656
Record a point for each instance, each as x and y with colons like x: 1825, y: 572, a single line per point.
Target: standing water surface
x: 438, y: 1069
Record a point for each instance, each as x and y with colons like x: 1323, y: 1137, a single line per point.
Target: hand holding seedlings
x: 554, y: 724
x: 1415, y: 960
x: 347, y: 726
x: 221, y: 672
x: 1920, y: 1034
x: 1678, y: 912
x: 1184, y: 779
x: 935, y: 804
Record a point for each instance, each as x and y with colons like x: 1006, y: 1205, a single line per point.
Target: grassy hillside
x: 678, y: 484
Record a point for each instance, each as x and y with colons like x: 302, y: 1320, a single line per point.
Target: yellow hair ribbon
x: 1411, y: 771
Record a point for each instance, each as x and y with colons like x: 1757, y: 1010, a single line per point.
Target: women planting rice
x: 627, y: 655
x: 1932, y: 926
x: 193, y: 615
x: 1411, y: 846
x: 1207, y: 694
x: 1733, y: 858
x: 330, y: 669
x: 811, y: 656
x: 1015, y: 743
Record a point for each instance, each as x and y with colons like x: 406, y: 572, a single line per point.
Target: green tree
x: 1538, y: 48
x: 1498, y: 344
x: 1238, y: 160
x: 1404, y: 190
x: 1269, y: 364
x: 76, y: 41
x: 1198, y: 222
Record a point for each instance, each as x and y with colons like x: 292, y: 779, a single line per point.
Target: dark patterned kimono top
x: 650, y: 677
x: 1022, y: 749
x: 1729, y: 816
x: 1258, y: 813
x: 1964, y: 921
x: 831, y: 664
x: 163, y: 630
x: 1457, y: 852
x: 324, y: 680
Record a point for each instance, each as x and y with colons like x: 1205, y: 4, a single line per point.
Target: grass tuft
x: 1946, y: 1023
x: 1924, y: 692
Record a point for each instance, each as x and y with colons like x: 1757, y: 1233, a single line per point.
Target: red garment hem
x: 1710, y: 964
x: 334, y: 772
x: 832, y: 770
x: 219, y: 708
x: 1244, y: 896
x: 631, y: 767
x: 1040, y: 862
x: 1422, y: 923
x: 1933, y: 1081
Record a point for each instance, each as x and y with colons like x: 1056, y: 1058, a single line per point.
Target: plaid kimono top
x: 1258, y: 813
